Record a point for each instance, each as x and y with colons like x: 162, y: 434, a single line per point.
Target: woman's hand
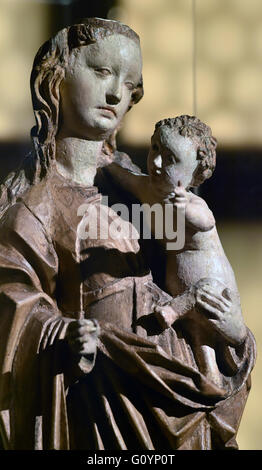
x: 222, y: 308
x: 82, y: 336
x: 214, y: 304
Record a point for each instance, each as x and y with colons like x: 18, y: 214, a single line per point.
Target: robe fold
x: 143, y: 389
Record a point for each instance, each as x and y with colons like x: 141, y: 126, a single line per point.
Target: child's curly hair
x: 201, y: 134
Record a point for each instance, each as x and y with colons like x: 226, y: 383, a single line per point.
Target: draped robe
x: 143, y: 388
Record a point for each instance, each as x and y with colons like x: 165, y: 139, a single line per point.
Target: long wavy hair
x: 48, y: 71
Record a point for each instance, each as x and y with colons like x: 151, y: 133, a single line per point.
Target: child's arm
x: 132, y: 182
x: 198, y: 214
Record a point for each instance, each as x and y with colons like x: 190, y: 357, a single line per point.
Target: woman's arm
x: 28, y: 272
x: 130, y: 181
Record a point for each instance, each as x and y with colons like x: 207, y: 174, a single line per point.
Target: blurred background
x: 202, y: 56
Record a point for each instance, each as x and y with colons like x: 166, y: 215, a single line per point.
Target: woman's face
x: 98, y: 85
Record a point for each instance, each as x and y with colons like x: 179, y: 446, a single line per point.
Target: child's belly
x: 186, y: 269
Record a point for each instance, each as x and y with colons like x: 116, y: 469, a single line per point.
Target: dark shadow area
x: 64, y: 15
x: 111, y: 261
x: 150, y: 324
x: 235, y: 189
x: 11, y: 155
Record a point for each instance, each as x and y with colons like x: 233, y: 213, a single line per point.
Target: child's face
x: 171, y: 158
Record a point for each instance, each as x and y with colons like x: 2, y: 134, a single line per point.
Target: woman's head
x: 50, y: 68
x: 98, y: 87
x: 55, y: 67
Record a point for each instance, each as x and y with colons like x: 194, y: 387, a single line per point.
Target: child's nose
x: 158, y: 161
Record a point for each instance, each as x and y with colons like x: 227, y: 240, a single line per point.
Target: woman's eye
x: 103, y: 71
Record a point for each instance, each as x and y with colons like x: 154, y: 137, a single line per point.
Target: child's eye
x: 130, y: 86
x: 169, y: 159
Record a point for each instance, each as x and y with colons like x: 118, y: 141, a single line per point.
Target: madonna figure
x: 84, y: 363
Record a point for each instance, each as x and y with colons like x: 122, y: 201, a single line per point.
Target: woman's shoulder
x: 20, y: 223
x: 121, y: 158
x: 125, y: 161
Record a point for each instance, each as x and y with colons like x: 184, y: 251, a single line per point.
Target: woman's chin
x: 101, y: 130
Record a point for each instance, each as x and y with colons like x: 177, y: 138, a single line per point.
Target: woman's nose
x: 114, y: 93
x: 158, y: 161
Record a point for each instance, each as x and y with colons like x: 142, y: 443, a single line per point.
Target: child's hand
x: 181, y: 198
x: 82, y: 336
x: 165, y: 315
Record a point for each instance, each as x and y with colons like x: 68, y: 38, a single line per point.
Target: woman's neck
x: 76, y: 159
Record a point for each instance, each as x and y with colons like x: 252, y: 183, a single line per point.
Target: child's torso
x: 202, y: 257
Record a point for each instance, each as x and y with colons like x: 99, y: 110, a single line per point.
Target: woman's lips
x: 108, y: 110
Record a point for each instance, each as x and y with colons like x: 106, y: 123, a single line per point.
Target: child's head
x: 184, y: 148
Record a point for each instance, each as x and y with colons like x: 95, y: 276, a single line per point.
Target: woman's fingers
x: 82, y: 339
x: 81, y: 346
x: 208, y: 308
x: 211, y: 300
x: 82, y: 336
x: 227, y: 294
x: 81, y: 327
x: 213, y: 293
x: 81, y: 331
